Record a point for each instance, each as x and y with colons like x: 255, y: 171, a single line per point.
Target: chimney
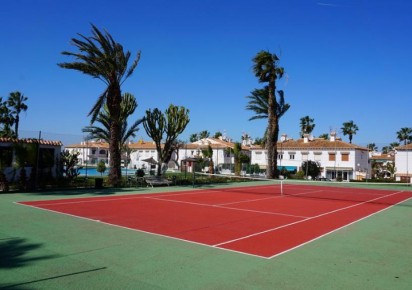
x: 305, y: 138
x: 332, y: 136
x: 283, y: 138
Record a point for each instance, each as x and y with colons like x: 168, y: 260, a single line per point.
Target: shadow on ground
x: 14, y: 252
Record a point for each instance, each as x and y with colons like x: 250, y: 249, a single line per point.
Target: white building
x: 223, y: 159
x: 403, y: 163
x: 338, y: 159
x: 90, y: 152
x: 141, y: 153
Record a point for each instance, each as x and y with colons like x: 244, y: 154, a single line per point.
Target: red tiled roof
x: 404, y: 147
x: 383, y: 157
x: 30, y: 141
x: 316, y: 144
x: 89, y: 145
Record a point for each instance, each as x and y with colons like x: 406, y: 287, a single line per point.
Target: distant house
x: 223, y: 159
x: 48, y: 153
x: 142, y: 155
x: 403, y: 162
x: 337, y: 159
x: 381, y: 165
x: 90, y: 152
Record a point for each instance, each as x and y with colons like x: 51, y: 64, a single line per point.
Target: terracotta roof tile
x: 404, y: 147
x: 317, y: 143
x: 30, y: 141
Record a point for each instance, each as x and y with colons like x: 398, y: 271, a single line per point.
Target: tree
x: 238, y: 156
x: 350, y: 129
x: 172, y: 123
x: 259, y: 103
x: 324, y: 136
x: 266, y: 68
x: 101, y: 57
x: 259, y: 141
x: 386, y: 149
x: 199, y: 136
x: 372, y: 147
x: 306, y: 125
x: 101, y: 167
x: 217, y: 134
x: 193, y: 137
x: 208, y: 153
x: 393, y: 145
x: 127, y: 108
x: 405, y: 135
x: 6, y: 120
x: 68, y: 162
x: 311, y: 168
x: 16, y: 104
x: 204, y: 134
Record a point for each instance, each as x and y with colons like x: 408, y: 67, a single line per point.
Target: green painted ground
x: 45, y: 250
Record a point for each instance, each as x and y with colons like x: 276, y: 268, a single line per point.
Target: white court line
x: 194, y: 191
x: 224, y: 207
x: 216, y: 246
x: 142, y: 231
x: 301, y: 221
x: 337, y: 229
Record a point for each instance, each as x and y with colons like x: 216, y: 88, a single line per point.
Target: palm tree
x: 101, y: 57
x: 259, y: 103
x: 128, y: 106
x: 372, y: 147
x: 16, y: 104
x: 386, y: 149
x: 266, y: 68
x: 6, y: 120
x: 324, y: 136
x: 350, y: 129
x: 306, y: 125
x: 393, y: 145
x: 405, y: 135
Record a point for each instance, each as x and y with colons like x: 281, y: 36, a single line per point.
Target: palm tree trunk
x: 16, y: 126
x: 273, y: 131
x: 113, y: 104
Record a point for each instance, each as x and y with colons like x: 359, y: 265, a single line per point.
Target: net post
x: 281, y: 187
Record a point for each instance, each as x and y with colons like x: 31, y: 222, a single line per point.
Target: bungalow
x: 25, y: 151
x: 223, y: 158
x: 403, y: 161
x: 382, y: 165
x: 90, y: 152
x: 338, y: 159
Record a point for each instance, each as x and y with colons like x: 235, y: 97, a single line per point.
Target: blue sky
x: 344, y: 60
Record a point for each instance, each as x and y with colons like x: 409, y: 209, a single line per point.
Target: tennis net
x: 381, y: 193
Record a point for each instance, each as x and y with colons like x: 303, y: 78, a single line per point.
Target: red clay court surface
x: 253, y: 220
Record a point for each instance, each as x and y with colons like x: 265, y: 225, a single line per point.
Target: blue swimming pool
x: 91, y: 171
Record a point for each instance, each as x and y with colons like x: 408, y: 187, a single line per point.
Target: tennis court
x: 260, y: 220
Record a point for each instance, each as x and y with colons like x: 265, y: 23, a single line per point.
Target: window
x: 305, y: 156
x: 102, y: 152
x: 332, y: 156
x: 291, y: 156
x: 318, y: 156
x: 258, y: 155
x: 93, y: 151
x: 345, y: 156
x: 280, y: 156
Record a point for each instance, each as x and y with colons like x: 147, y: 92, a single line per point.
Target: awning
x: 288, y: 168
x: 340, y: 168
